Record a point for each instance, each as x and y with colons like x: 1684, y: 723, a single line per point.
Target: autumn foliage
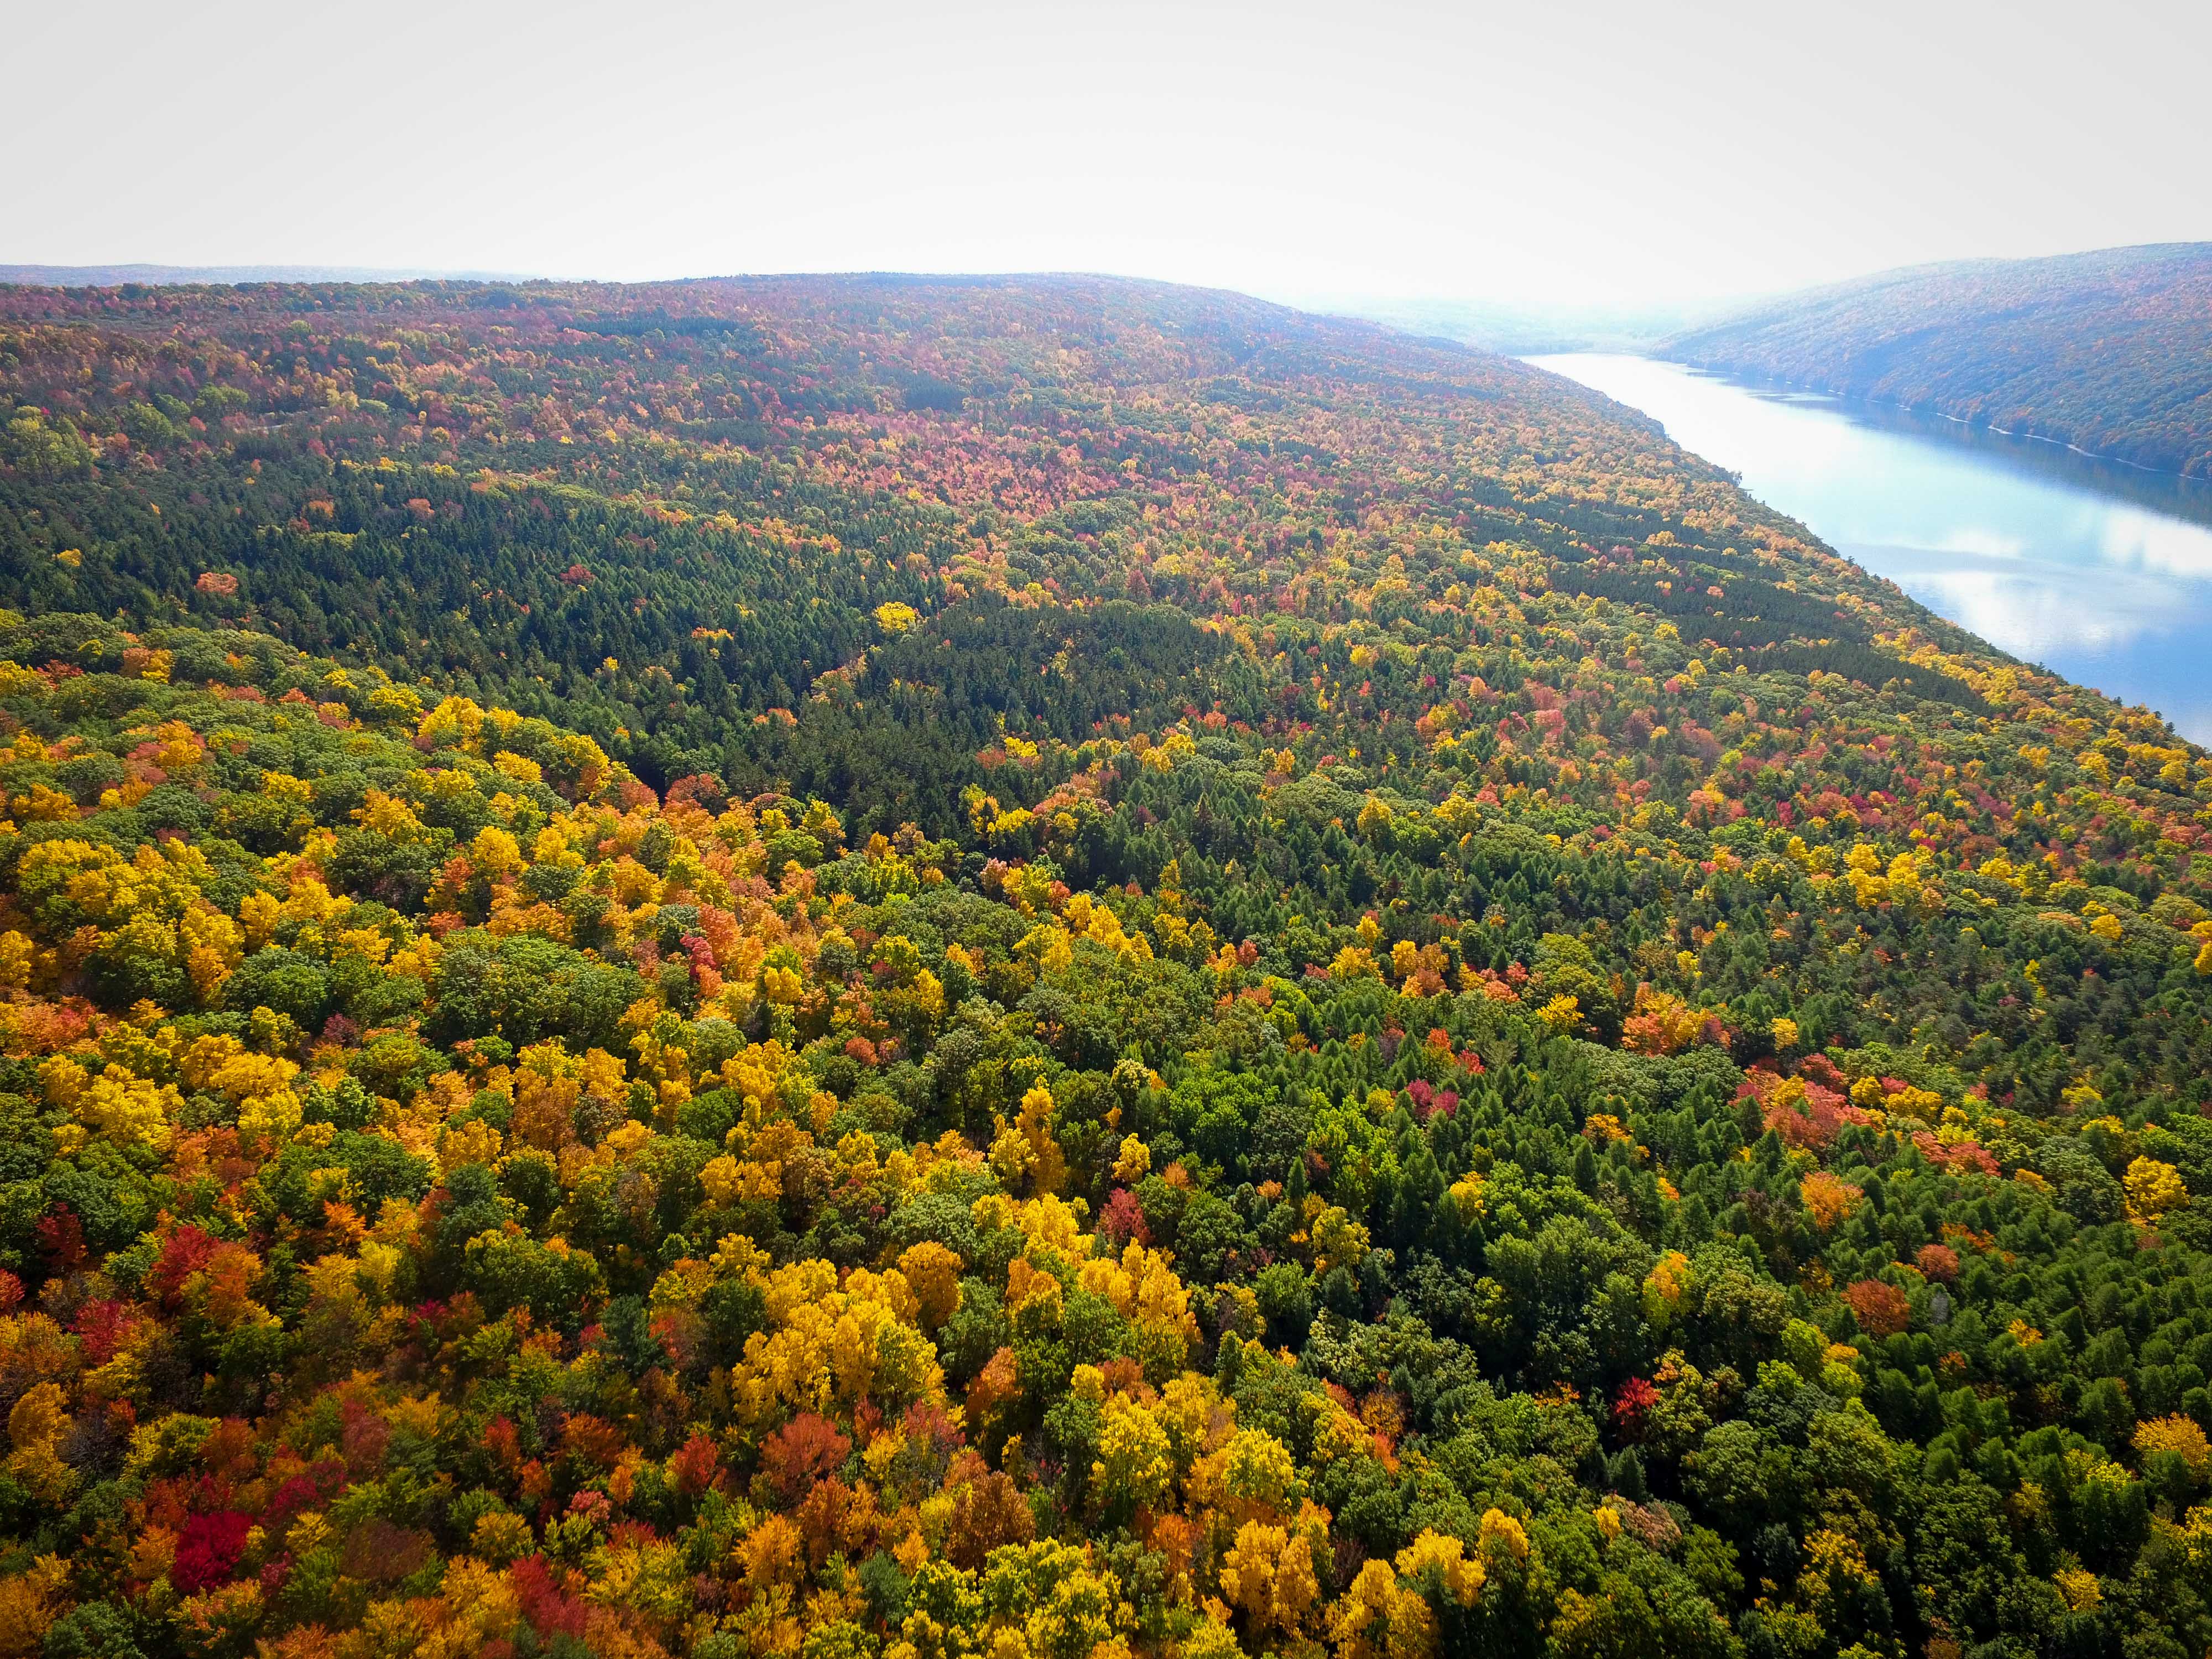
x: 1047, y: 967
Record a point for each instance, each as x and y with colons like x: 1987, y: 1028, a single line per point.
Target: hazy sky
x: 1538, y: 150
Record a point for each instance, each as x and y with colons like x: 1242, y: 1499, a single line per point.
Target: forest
x: 1053, y: 968
x: 2109, y: 352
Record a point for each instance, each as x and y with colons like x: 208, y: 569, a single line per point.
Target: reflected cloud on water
x: 2033, y: 611
x: 2101, y: 571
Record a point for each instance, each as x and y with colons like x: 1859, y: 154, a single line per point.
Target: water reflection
x: 2097, y: 570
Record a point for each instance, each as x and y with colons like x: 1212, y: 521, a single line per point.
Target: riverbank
x: 1925, y: 411
x: 2099, y: 571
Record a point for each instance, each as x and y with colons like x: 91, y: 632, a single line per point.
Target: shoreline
x: 1753, y: 380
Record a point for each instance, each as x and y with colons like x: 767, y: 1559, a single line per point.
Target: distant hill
x: 179, y: 276
x: 2111, y: 351
x: 1520, y: 330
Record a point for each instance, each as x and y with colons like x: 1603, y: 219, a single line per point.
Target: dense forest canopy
x: 2110, y: 352
x: 1046, y: 967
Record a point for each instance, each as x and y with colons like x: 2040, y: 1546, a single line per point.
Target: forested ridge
x: 1046, y: 967
x: 2110, y: 352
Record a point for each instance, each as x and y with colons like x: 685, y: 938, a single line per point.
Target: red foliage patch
x: 1123, y: 1219
x: 801, y: 1453
x: 1637, y: 1397
x: 1938, y: 1261
x: 935, y: 1425
x: 1811, y: 1120
x: 1819, y: 1068
x: 100, y: 1328
x: 696, y: 1465
x: 208, y: 1551
x: 61, y: 1240
x: 1960, y: 1157
x: 1881, y: 1309
x: 303, y: 1493
x: 546, y: 1601
x: 363, y: 1437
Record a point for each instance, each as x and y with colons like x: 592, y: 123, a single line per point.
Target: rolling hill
x: 2110, y: 352
x: 159, y: 275
x: 925, y: 968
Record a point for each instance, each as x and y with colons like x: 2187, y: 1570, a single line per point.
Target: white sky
x: 1538, y: 151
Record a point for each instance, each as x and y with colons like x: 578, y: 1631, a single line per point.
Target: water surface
x: 2100, y: 571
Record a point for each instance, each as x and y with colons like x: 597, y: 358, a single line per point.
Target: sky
x: 1542, y: 152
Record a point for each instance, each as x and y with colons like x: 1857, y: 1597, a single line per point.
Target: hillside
x: 2110, y: 352
x: 1046, y: 967
x: 155, y: 276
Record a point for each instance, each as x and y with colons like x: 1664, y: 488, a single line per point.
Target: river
x: 2099, y: 571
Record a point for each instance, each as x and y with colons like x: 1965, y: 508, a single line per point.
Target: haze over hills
x: 910, y: 967
x: 1513, y: 327
x: 1527, y: 328
x: 176, y: 275
x: 2109, y: 351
